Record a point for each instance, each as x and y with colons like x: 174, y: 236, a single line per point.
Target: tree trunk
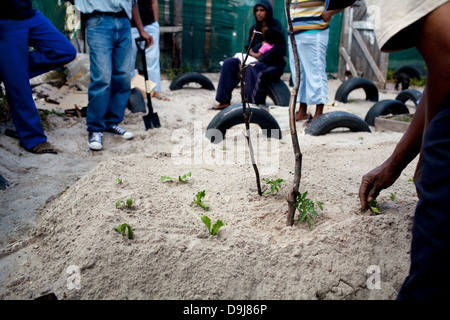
x: 292, y: 124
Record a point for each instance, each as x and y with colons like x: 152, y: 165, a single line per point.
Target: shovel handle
x: 138, y: 41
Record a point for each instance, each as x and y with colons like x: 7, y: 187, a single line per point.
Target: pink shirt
x: 265, y: 47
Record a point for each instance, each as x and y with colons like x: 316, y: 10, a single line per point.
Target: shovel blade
x: 151, y: 121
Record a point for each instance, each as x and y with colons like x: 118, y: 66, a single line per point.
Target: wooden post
x: 177, y: 37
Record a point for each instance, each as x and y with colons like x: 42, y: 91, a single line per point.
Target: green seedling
x: 215, y: 227
x: 392, y: 197
x: 118, y: 180
x: 275, y: 185
x: 128, y: 202
x: 374, y: 206
x: 411, y: 180
x: 180, y: 178
x: 306, y: 208
x: 198, y: 199
x: 121, y: 228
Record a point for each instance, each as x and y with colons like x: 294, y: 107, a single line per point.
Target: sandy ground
x: 58, y: 215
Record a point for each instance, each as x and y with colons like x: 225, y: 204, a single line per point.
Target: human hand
x: 148, y: 38
x: 374, y: 181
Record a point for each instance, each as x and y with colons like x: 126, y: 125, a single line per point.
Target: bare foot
x: 301, y: 116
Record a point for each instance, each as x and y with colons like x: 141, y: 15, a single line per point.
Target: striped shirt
x: 89, y: 6
x: 307, y: 15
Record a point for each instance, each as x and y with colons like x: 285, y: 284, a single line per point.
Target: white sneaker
x: 95, y: 140
x: 121, y: 132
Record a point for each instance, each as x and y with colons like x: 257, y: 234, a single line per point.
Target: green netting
x: 211, y: 36
x: 54, y: 10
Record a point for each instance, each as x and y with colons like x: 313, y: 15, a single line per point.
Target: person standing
x: 149, y: 12
x: 108, y: 33
x: 310, y: 22
x: 21, y: 27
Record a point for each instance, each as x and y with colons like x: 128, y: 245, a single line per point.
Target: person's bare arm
x: 406, y: 150
x: 137, y: 20
x: 328, y: 14
x: 155, y: 8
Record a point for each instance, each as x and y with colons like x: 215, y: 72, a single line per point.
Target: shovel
x: 151, y: 120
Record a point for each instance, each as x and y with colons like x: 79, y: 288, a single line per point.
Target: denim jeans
x: 312, y: 51
x: 18, y: 65
x: 151, y: 54
x: 109, y: 41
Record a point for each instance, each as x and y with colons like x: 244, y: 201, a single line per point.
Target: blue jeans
x: 109, y: 41
x: 151, y: 54
x: 18, y: 65
x: 312, y: 52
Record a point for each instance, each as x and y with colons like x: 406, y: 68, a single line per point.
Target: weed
x: 198, y: 199
x: 118, y: 181
x: 215, y: 227
x: 180, y: 178
x: 306, y: 208
x: 392, y: 197
x: 121, y: 228
x: 274, y: 184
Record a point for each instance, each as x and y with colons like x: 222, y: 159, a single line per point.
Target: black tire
x: 385, y: 107
x: 180, y: 81
x: 351, y: 84
x: 409, y: 94
x: 412, y: 70
x: 233, y: 115
x: 3, y: 182
x: 278, y: 91
x: 333, y: 120
x: 136, y: 102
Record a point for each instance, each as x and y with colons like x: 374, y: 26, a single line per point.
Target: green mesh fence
x: 216, y: 29
x: 54, y: 10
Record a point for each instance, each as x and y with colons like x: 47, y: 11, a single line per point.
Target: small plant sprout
x: 128, y: 202
x: 180, y: 178
x: 392, y: 197
x: 374, y: 206
x: 198, y: 199
x: 306, y: 208
x: 214, y: 230
x: 275, y: 185
x: 121, y: 228
x: 118, y: 181
x: 411, y: 180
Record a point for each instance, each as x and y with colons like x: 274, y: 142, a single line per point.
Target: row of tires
x: 280, y: 95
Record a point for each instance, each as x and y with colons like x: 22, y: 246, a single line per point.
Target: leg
x: 229, y: 78
x: 312, y: 48
x: 53, y: 49
x: 14, y: 70
x: 120, y: 79
x: 100, y: 33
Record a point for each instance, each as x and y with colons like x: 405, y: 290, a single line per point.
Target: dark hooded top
x: 17, y: 9
x: 277, y: 55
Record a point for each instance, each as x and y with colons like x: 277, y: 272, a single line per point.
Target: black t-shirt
x: 16, y: 9
x: 146, y: 12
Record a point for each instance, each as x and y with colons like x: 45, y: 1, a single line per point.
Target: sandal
x: 43, y: 147
x: 159, y: 96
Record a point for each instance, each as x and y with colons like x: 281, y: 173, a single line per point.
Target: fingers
x: 368, y: 191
